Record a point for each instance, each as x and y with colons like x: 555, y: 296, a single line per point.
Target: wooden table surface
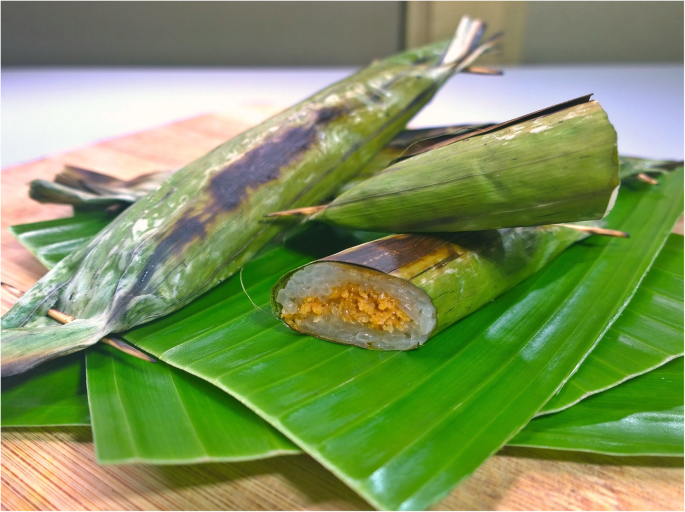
x: 55, y: 468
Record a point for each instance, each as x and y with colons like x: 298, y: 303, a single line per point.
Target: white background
x: 46, y: 111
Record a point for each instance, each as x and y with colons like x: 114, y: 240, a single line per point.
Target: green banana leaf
x: 58, y: 396
x: 51, y: 241
x: 648, y: 334
x: 54, y: 394
x: 268, y: 258
x: 157, y: 414
x: 641, y: 417
x: 141, y: 412
x: 560, y: 166
x: 629, y: 356
x: 403, y: 428
x: 114, y: 447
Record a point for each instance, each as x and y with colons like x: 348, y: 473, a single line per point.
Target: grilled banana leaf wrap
x: 207, y: 220
x: 556, y: 165
x: 396, y: 292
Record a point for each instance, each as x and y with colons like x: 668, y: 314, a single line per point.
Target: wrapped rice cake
x: 559, y: 164
x: 397, y: 292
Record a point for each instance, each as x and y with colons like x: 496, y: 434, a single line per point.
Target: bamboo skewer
x: 596, y: 231
x: 112, y: 342
x: 307, y: 210
x: 65, y: 319
x: 310, y: 210
x: 478, y: 70
x: 647, y: 178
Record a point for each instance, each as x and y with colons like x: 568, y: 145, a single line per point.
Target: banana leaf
x: 84, y: 188
x: 402, y: 429
x: 641, y: 417
x: 658, y: 299
x: 53, y: 240
x: 18, y: 402
x: 157, y: 414
x: 276, y: 272
x: 111, y: 446
x: 141, y: 412
x: 648, y: 334
x: 54, y: 394
x: 626, y: 350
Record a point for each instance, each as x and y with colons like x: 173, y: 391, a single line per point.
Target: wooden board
x: 55, y: 468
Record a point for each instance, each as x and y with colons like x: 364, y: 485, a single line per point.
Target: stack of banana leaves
x: 397, y: 304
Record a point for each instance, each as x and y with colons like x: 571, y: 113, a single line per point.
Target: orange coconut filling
x: 354, y: 304
x: 358, y: 306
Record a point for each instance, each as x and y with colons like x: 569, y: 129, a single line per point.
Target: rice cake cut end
x: 354, y: 305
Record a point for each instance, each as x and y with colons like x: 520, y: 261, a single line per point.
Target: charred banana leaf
x: 396, y: 292
x: 556, y: 165
x: 207, y: 220
x: 86, y: 188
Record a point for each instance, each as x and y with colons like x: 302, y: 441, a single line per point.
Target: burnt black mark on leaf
x: 79, y: 178
x: 229, y: 188
x: 420, y: 99
x: 390, y: 253
x: 263, y: 164
x: 453, y: 253
x: 374, y: 96
x: 416, y: 101
x: 326, y: 115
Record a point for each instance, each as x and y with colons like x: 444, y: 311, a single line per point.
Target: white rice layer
x: 319, y: 279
